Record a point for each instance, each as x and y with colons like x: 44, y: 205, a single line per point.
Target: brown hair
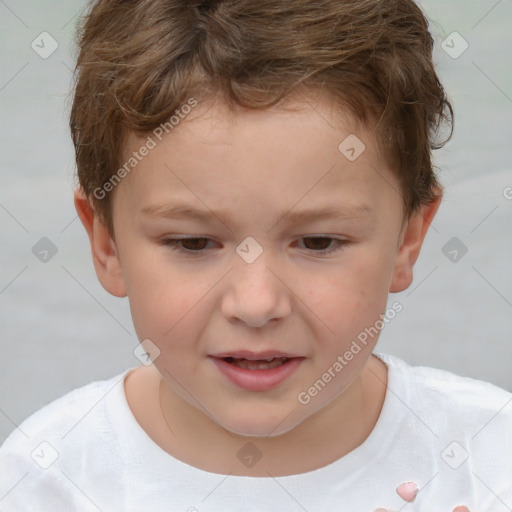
x: 139, y: 61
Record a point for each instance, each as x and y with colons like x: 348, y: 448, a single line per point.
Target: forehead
x: 214, y: 122
x: 303, y: 152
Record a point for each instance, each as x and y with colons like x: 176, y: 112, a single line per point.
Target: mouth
x: 257, y: 372
x: 260, y: 364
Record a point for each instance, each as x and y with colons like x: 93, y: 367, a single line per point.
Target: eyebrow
x: 177, y: 210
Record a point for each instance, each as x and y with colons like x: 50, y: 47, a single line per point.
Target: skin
x: 257, y: 165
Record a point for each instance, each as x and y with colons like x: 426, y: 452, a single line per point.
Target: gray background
x: 61, y: 330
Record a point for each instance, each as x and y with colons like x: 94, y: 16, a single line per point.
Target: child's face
x: 260, y: 169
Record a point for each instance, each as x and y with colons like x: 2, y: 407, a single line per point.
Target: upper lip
x: 254, y: 356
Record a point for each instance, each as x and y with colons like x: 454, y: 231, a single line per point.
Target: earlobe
x: 412, y: 239
x: 103, y: 248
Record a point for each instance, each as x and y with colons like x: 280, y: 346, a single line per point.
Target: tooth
x: 258, y: 365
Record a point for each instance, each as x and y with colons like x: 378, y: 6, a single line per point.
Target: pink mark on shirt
x: 407, y: 491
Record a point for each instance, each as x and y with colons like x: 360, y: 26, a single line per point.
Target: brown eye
x: 319, y: 243
x: 185, y: 245
x: 323, y: 245
x: 194, y: 244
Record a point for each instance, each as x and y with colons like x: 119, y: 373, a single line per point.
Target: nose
x: 256, y: 294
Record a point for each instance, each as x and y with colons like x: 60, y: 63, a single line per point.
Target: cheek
x: 352, y: 294
x: 159, y: 293
x: 170, y: 303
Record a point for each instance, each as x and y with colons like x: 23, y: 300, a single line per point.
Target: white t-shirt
x: 450, y: 435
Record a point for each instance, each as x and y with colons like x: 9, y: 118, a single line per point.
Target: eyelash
x: 173, y: 244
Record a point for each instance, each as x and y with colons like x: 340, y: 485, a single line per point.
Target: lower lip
x: 257, y: 380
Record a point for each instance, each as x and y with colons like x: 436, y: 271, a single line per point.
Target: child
x: 256, y: 177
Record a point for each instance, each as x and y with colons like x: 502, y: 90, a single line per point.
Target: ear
x: 413, y: 234
x: 104, y: 252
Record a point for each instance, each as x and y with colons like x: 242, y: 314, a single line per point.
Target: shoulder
x: 449, y: 397
x: 47, y: 445
x: 62, y: 414
x: 450, y: 434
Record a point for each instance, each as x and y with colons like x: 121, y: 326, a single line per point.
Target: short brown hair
x: 140, y: 60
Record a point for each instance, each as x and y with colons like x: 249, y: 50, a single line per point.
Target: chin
x: 259, y: 425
